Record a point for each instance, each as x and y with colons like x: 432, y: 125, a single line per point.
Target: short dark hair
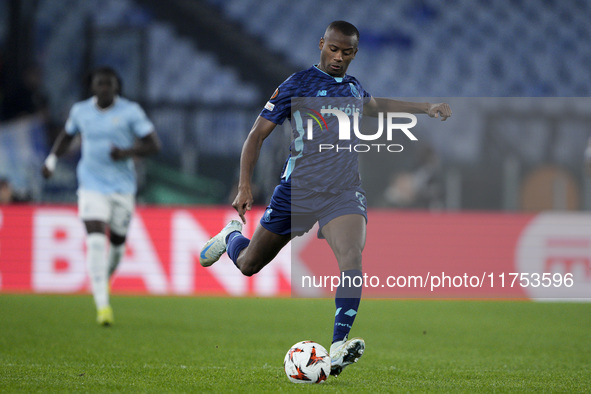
x: 344, y: 27
x: 104, y: 70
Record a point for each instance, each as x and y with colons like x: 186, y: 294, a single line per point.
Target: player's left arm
x: 587, y: 158
x: 376, y: 105
x: 148, y: 145
x: 147, y: 141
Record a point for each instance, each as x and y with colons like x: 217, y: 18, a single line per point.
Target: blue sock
x: 347, y: 300
x: 235, y: 243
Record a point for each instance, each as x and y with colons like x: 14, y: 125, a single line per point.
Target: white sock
x: 116, y: 253
x: 96, y: 260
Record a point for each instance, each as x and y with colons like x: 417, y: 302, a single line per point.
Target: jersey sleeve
x: 278, y: 107
x: 365, y: 95
x: 139, y: 122
x: 71, y: 126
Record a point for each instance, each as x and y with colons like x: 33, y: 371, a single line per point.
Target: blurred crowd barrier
x: 510, y: 154
x: 23, y: 147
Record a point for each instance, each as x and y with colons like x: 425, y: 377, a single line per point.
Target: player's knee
x: 249, y: 269
x: 249, y: 266
x: 350, y: 252
x: 349, y: 258
x: 95, y: 226
x: 117, y: 239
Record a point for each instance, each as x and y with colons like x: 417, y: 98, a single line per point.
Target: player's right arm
x: 62, y: 142
x: 275, y: 111
x: 376, y: 105
x: 60, y: 146
x: 248, y: 159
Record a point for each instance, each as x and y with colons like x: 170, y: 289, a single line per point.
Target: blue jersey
x: 101, y: 129
x: 308, y: 167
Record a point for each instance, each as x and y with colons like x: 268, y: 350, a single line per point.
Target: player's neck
x: 104, y: 105
x: 338, y: 79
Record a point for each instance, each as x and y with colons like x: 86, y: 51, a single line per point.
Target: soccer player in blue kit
x: 113, y: 131
x: 338, y: 205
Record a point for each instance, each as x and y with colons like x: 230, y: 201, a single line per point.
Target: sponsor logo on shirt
x: 267, y: 215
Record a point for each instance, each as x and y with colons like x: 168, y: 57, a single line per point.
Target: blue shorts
x: 295, y: 211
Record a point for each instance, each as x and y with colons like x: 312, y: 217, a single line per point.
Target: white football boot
x: 215, y: 247
x: 343, y: 353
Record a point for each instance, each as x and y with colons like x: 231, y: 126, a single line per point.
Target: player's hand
x: 243, y: 202
x: 49, y: 165
x: 47, y: 173
x: 118, y: 153
x: 440, y: 109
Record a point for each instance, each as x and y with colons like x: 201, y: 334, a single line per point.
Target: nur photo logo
x: 343, y: 124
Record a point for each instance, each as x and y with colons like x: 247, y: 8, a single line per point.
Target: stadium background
x: 203, y: 69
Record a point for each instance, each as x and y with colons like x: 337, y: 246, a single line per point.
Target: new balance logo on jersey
x: 321, y: 93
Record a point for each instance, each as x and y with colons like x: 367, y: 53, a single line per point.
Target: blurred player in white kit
x: 113, y: 130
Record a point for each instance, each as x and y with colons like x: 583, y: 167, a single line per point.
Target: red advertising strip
x: 42, y: 250
x: 408, y: 254
x: 417, y: 254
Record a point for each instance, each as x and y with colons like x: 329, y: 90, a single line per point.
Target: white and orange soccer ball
x: 307, y: 362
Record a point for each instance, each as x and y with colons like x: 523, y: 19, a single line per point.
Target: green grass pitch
x: 185, y: 344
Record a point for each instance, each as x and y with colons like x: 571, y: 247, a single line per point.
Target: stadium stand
x: 176, y: 70
x: 182, y: 72
x: 434, y: 48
